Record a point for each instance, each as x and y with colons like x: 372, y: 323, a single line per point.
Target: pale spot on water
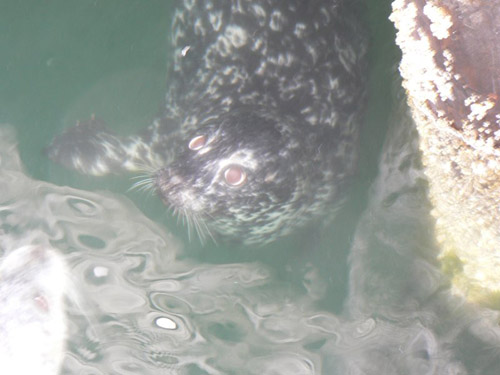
x: 166, y: 323
x: 100, y: 271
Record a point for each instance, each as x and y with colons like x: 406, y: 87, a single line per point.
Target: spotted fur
x: 274, y: 90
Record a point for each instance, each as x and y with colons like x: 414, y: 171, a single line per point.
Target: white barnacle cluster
x: 423, y: 77
x: 477, y: 130
x: 440, y: 20
x: 478, y: 109
x: 458, y: 138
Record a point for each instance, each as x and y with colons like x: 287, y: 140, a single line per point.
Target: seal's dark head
x: 243, y: 174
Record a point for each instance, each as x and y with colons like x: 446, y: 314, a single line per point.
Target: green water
x: 64, y: 60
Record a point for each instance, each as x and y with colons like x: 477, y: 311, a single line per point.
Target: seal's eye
x: 197, y: 142
x: 235, y: 176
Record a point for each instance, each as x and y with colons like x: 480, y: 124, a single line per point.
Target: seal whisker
x: 145, y: 175
x: 178, y: 215
x: 185, y: 218
x: 199, y: 230
x: 146, y: 168
x: 189, y: 224
x: 145, y: 181
x: 205, y: 229
x: 145, y: 185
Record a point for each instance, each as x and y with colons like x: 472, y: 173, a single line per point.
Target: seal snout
x: 164, y: 181
x: 169, y: 186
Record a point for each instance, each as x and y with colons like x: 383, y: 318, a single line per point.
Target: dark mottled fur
x: 276, y: 88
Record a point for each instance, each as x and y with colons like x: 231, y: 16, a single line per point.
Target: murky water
x: 363, y: 295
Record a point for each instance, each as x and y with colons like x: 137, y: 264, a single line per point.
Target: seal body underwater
x: 260, y: 128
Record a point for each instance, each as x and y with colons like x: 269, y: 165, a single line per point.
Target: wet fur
x: 277, y: 88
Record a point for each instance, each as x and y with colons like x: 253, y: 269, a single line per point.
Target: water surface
x: 362, y: 294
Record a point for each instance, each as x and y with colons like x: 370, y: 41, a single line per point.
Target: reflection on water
x: 419, y: 327
x: 394, y: 278
x: 32, y: 318
x: 138, y: 304
x: 135, y: 307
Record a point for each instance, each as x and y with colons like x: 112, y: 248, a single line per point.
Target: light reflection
x: 148, y: 308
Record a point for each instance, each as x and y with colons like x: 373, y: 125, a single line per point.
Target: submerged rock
x: 450, y: 67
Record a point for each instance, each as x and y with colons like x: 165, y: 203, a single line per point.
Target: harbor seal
x: 260, y: 128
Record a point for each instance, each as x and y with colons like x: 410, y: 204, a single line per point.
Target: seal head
x: 250, y: 175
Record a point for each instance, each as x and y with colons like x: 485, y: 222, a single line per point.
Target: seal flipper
x: 90, y: 148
